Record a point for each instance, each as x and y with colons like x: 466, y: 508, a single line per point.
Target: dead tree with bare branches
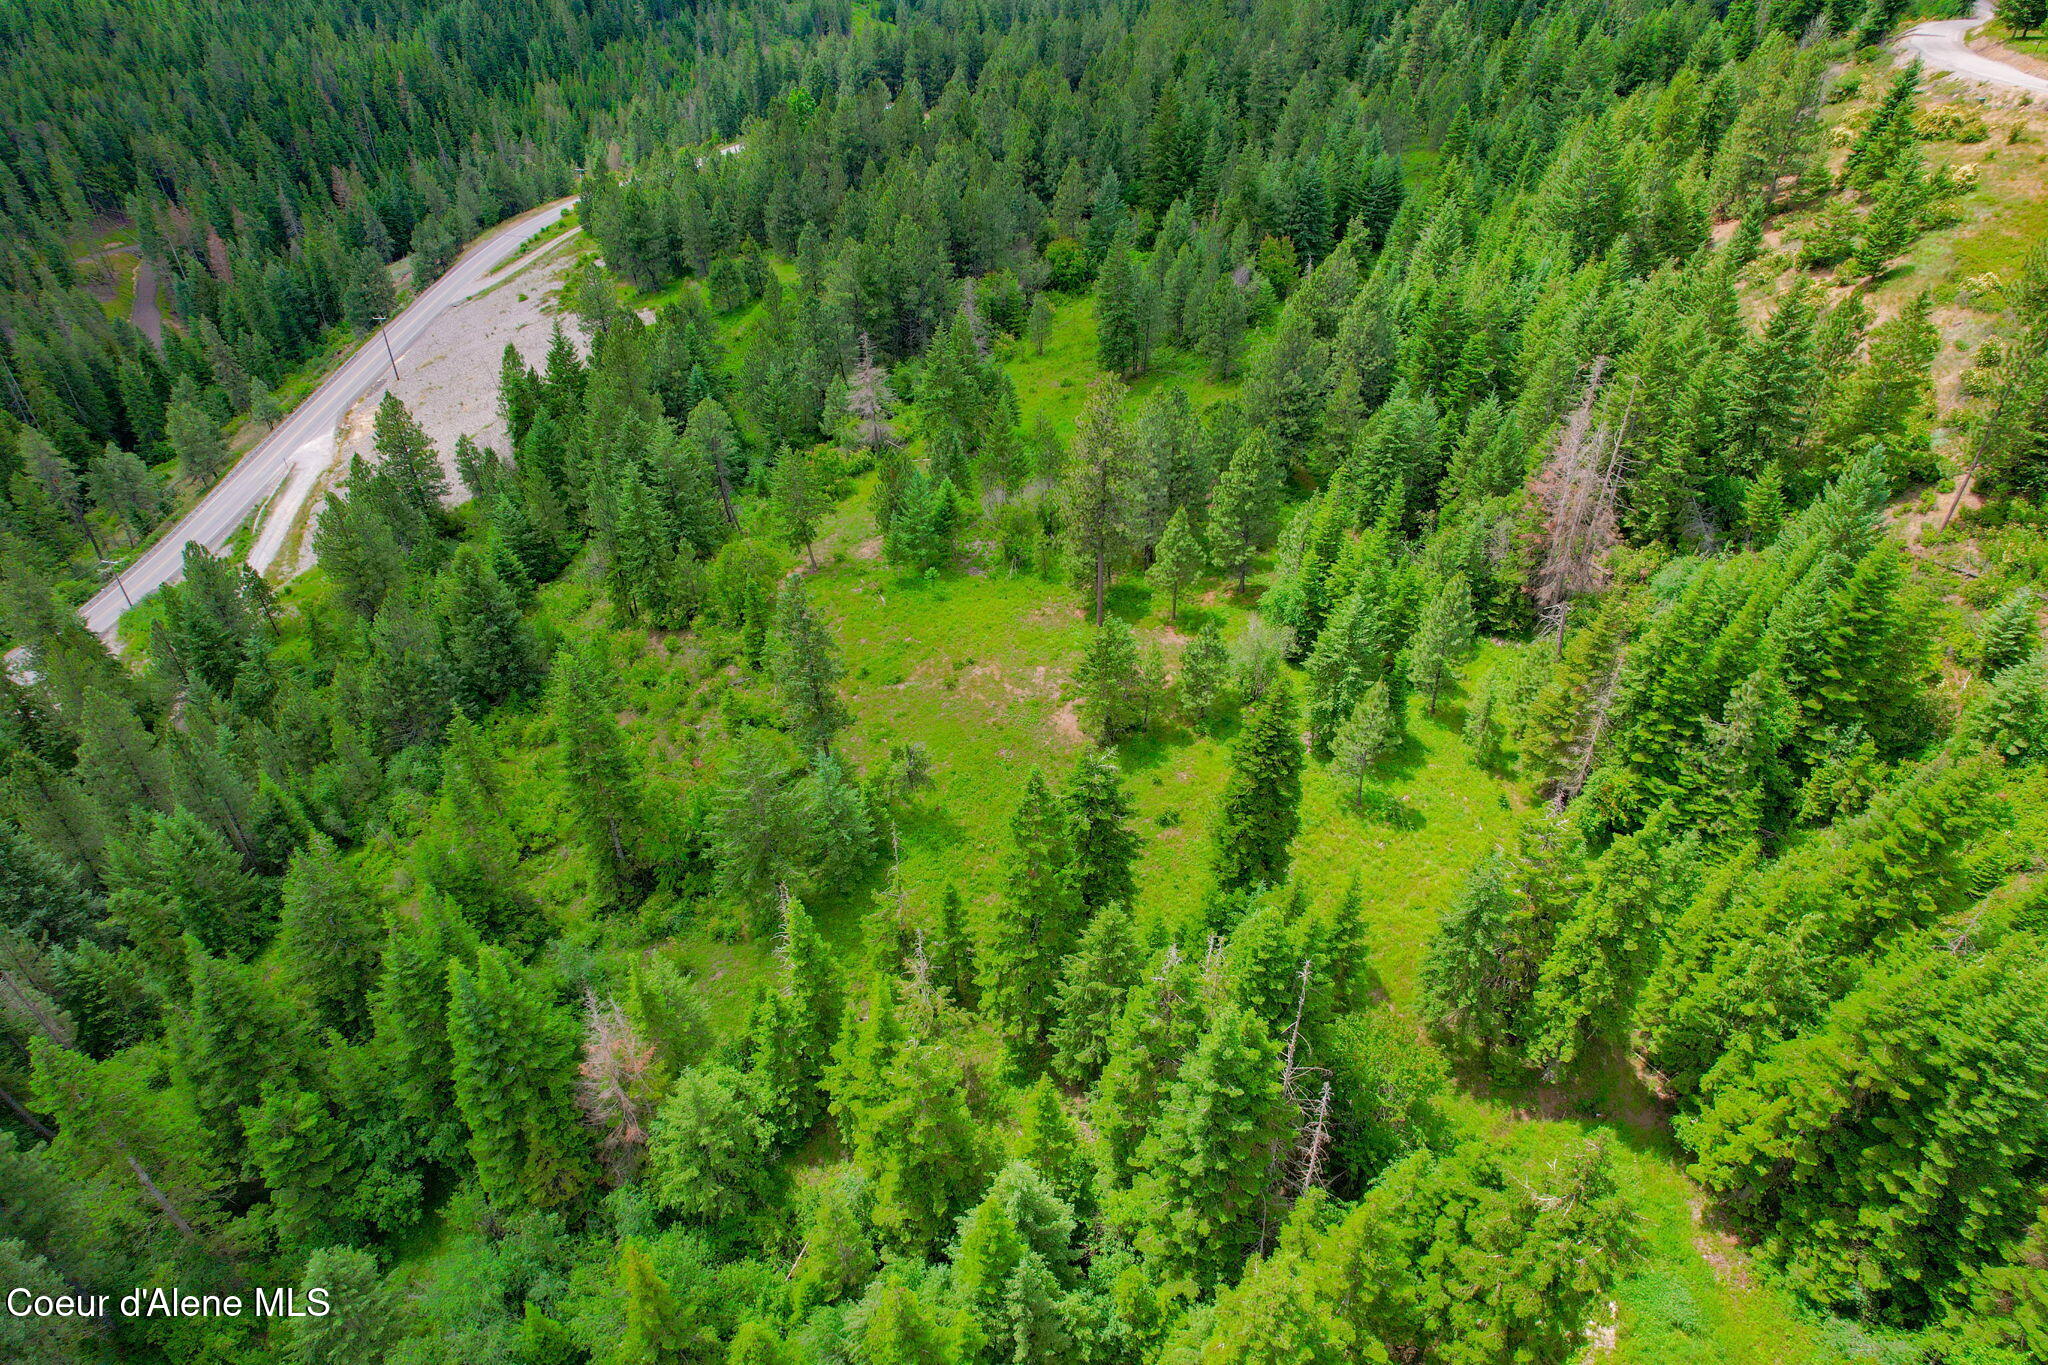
x: 1576, y: 492
x: 616, y: 1085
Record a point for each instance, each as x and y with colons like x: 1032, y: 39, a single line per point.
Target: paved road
x: 1943, y: 46
x: 304, y: 441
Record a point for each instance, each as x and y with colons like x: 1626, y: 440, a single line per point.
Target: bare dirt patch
x: 1722, y: 1253
x: 1066, y: 723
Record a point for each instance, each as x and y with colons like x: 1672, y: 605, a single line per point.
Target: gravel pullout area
x: 448, y: 379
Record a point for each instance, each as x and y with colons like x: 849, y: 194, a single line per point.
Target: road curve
x: 1943, y: 45
x: 307, y: 434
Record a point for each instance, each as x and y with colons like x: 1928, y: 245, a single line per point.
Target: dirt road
x: 1943, y: 45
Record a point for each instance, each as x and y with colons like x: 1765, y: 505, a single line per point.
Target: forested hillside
x: 1162, y: 683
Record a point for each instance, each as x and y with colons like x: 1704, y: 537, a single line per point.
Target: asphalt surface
x: 289, y: 457
x: 1942, y: 45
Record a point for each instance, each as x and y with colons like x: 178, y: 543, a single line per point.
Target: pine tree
x: 1483, y: 730
x: 869, y: 402
x: 640, y: 568
x: 1204, y: 674
x: 1177, y: 562
x: 599, y: 779
x: 486, y: 648
x: 838, y: 1251
x: 513, y: 1055
x: 1047, y: 1141
x: 800, y: 497
x: 1292, y: 1304
x: 1123, y: 327
x: 237, y: 1036
x: 899, y: 1332
x: 1889, y: 131
x: 755, y: 1344
x: 842, y: 827
x: 1443, y: 635
x: 1365, y: 737
x: 124, y: 489
x: 805, y: 664
x: 1156, y: 1032
x: 794, y: 1024
x: 117, y: 1129
x: 951, y: 950
x: 328, y: 937
x: 201, y: 450
x: 119, y: 761
x: 1111, y: 703
x: 920, y: 1152
x: 366, y: 1316
x: 1603, y: 949
x: 709, y: 1150
x: 1895, y: 219
x: 1095, y: 494
x: 1038, y: 327
x: 1570, y: 1229
x: 1483, y: 966
x: 1773, y: 389
x: 658, y: 1329
x: 40, y: 896
x: 1262, y: 796
x: 1242, y: 508
x: 410, y: 1012
x: 1206, y: 1166
x: 1224, y: 319
x: 1013, y: 1263
x: 1095, y: 980
x: 193, y: 873
x: 1874, y: 1152
x: 870, y: 1039
x: 1102, y: 846
x: 1035, y: 924
x: 408, y: 460
x: 306, y: 1158
x: 709, y: 437
x: 761, y: 839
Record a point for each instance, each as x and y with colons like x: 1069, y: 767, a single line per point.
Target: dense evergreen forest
x: 1219, y: 681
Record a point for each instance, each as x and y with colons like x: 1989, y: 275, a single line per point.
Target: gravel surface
x: 448, y: 379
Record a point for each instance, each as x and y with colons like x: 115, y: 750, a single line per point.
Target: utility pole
x: 388, y: 354
x: 108, y: 563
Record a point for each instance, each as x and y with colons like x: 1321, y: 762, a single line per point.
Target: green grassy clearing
x: 1055, y: 385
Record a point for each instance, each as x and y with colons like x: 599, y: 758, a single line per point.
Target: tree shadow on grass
x: 1603, y: 1089
x: 1155, y: 746
x: 930, y: 827
x: 1128, y: 601
x: 1403, y: 761
x: 1379, y: 808
x: 1150, y: 750
x: 1195, y: 619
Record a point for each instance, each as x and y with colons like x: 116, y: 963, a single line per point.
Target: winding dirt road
x: 287, y: 461
x: 1943, y: 46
